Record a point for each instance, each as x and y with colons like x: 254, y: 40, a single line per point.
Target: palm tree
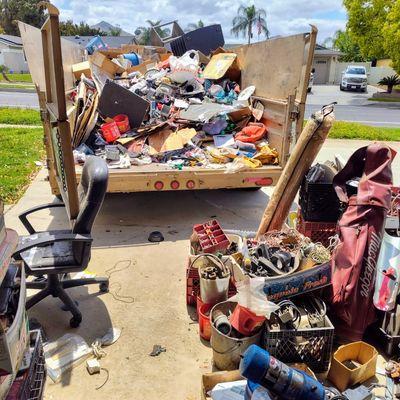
x: 194, y: 26
x: 246, y: 18
x: 144, y: 32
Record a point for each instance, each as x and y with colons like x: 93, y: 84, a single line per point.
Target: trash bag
x: 250, y: 294
x: 184, y: 68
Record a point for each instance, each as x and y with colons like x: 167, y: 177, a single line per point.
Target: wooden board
x: 32, y: 41
x: 307, y: 147
x: 277, y: 67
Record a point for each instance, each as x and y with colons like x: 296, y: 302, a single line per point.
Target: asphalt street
x: 352, y: 106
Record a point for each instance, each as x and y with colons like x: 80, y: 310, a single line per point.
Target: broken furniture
x: 55, y: 253
x: 13, y: 320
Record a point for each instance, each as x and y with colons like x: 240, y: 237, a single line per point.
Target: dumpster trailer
x: 279, y: 68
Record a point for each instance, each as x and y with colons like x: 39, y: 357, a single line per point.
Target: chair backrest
x: 91, y: 191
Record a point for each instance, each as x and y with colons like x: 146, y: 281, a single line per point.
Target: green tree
x: 20, y: 10
x: 69, y: 28
x: 114, y: 31
x: 344, y: 42
x: 194, y: 26
x: 366, y: 19
x: 246, y: 19
x: 391, y: 34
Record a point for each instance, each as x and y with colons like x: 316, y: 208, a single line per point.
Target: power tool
x: 258, y: 366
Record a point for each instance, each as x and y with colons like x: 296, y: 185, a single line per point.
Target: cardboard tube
x: 303, y: 155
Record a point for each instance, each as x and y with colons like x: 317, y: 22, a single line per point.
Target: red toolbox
x: 211, y: 237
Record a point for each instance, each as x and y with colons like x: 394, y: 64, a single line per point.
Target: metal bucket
x: 213, y: 291
x: 227, y: 350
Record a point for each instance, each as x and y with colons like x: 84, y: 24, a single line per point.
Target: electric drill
x: 258, y: 366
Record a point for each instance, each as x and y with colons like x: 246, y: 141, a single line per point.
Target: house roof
x: 11, y: 40
x: 111, y: 41
x: 324, y: 51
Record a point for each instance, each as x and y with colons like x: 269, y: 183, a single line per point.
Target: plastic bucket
x: 204, y: 321
x: 133, y: 58
x: 245, y: 321
x: 122, y: 122
x: 110, y: 131
x: 227, y: 350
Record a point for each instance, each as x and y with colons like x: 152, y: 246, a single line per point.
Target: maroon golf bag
x: 360, y: 231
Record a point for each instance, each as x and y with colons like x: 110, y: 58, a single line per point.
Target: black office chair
x: 55, y: 254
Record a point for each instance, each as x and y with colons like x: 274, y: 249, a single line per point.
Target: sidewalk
x: 154, y: 275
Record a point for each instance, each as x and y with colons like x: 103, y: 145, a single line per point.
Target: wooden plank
x: 274, y: 66
x: 310, y: 141
x: 60, y: 132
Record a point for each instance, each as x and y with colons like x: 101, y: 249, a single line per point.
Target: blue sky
x: 284, y: 16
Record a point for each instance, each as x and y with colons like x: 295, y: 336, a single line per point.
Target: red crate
x: 318, y: 232
x: 211, y: 237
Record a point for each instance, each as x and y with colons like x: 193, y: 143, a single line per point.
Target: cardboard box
x: 14, y: 341
x: 222, y: 64
x: 208, y: 381
x: 106, y: 64
x: 82, y: 68
x: 363, y: 358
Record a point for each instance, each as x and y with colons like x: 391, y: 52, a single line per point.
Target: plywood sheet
x: 32, y: 41
x: 273, y: 66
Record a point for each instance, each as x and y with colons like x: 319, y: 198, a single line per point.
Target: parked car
x: 311, y: 81
x: 354, y: 78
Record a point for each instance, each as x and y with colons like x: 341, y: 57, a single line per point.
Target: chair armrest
x: 45, y: 240
x: 23, y: 217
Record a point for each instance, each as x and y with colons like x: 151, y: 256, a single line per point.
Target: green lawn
x: 19, y: 116
x: 19, y: 149
x: 353, y: 130
x: 17, y: 78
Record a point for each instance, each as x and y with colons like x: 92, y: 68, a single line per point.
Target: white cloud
x: 283, y: 17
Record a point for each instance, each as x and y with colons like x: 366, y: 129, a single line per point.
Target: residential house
x: 12, y: 54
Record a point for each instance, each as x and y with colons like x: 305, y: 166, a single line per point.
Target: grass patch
x: 17, y: 78
x: 19, y: 116
x: 385, y: 99
x: 17, y: 86
x: 353, y: 130
x: 19, y: 149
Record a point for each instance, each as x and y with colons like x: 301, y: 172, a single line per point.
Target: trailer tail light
x: 260, y: 181
x: 190, y: 184
x: 174, y: 185
x: 159, y: 185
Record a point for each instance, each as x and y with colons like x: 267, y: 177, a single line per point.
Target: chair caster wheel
x: 74, y: 322
x: 104, y: 287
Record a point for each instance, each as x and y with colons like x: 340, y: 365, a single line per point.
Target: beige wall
x: 14, y: 60
x: 375, y: 74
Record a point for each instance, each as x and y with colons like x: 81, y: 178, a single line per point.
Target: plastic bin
x: 319, y: 202
x: 30, y: 383
x: 310, y: 346
x: 318, y: 232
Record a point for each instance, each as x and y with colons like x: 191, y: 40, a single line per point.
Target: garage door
x: 321, y: 71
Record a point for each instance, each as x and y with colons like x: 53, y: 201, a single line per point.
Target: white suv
x: 355, y: 77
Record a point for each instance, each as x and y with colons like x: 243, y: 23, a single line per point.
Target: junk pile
x: 290, y: 298
x: 140, y: 105
x: 22, y: 365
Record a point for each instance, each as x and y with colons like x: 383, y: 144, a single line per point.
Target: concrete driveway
x: 147, y: 291
x: 324, y: 94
